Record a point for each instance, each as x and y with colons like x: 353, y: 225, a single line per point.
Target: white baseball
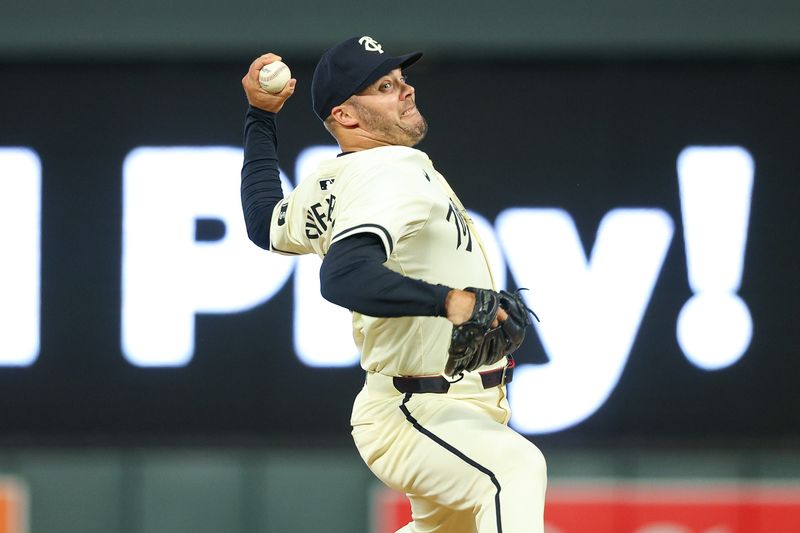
x: 274, y: 77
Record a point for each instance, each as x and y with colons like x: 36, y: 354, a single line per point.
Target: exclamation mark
x: 714, y: 327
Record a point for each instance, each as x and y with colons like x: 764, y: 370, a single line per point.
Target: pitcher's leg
x: 449, y: 453
x: 430, y: 517
x: 524, y: 482
x: 476, y: 464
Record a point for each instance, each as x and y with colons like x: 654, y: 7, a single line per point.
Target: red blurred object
x: 13, y: 506
x: 607, y: 507
x: 391, y: 510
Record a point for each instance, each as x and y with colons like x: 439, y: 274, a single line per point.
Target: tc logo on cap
x: 370, y: 44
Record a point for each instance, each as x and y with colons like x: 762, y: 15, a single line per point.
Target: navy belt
x: 440, y: 384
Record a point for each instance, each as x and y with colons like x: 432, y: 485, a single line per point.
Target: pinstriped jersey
x: 395, y: 193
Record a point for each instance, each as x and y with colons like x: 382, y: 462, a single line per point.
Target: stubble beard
x: 395, y: 132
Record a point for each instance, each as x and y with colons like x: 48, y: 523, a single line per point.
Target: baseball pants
x: 463, y: 469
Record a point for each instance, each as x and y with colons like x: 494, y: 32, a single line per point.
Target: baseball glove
x: 475, y: 343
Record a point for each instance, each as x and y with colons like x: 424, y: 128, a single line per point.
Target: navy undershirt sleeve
x: 353, y: 276
x: 261, y: 183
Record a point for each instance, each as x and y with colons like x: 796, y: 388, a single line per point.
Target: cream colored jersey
x: 394, y: 193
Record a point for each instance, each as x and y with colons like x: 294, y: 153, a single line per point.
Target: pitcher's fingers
x: 288, y: 91
x: 260, y: 61
x: 502, y: 316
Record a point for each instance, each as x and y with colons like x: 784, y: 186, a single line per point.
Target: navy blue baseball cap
x: 349, y: 67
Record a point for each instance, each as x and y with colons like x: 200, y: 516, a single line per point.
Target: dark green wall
x: 463, y: 28
x: 280, y: 491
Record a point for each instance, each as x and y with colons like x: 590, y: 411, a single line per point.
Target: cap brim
x: 387, y: 66
x: 410, y: 59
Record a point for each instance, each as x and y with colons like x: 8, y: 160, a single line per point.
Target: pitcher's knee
x: 536, y: 465
x: 527, y: 471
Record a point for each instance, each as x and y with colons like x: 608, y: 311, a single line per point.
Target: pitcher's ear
x: 343, y: 114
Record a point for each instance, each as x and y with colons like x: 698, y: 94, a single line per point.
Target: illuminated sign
x: 590, y: 310
x: 168, y: 276
x: 591, y: 304
x: 592, y: 307
x: 20, y: 238
x: 715, y: 327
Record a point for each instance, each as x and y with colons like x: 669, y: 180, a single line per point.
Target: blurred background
x: 634, y: 164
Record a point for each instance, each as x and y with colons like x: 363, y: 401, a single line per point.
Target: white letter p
x: 167, y: 274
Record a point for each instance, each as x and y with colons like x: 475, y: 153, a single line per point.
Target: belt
x: 440, y: 385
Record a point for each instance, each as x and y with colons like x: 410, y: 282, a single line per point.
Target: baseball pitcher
x: 399, y: 250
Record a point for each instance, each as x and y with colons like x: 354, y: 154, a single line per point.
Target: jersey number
x: 462, y: 230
